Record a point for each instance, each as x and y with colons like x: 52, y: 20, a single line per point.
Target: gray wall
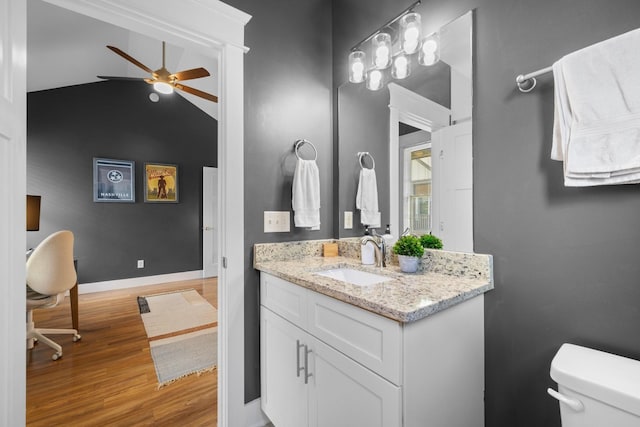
x: 287, y: 97
x: 67, y: 127
x: 565, y: 259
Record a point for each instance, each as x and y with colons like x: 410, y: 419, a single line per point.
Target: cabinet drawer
x: 284, y: 298
x: 371, y: 340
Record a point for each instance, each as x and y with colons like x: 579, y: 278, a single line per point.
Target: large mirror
x: 418, y: 132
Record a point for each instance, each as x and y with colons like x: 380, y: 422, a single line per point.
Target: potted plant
x: 430, y: 241
x: 409, y: 250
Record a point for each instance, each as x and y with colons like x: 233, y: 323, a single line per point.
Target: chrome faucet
x: 379, y: 247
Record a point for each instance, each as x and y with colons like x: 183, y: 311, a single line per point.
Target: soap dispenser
x: 387, y: 237
x: 367, y: 251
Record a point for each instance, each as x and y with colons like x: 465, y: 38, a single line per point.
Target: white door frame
x: 415, y: 110
x: 210, y: 27
x: 210, y: 206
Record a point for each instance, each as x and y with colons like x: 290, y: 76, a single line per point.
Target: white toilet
x: 596, y: 389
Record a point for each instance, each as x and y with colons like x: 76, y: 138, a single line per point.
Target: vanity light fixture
x: 392, y: 49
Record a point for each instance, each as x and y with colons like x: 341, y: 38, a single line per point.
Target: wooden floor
x: 108, y: 378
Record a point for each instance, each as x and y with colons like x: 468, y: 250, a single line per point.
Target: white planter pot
x: 408, y: 264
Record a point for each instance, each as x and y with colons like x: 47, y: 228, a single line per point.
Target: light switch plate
x: 277, y: 221
x: 348, y: 220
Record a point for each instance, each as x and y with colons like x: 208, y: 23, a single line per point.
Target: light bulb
x: 381, y: 47
x: 400, y: 68
x: 429, y: 59
x: 410, y: 27
x: 410, y: 45
x: 163, y: 87
x: 382, y: 56
x: 356, y: 66
x: 430, y: 52
x: 374, y: 80
x: 429, y: 46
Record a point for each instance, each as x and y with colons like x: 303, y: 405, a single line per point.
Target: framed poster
x: 160, y: 183
x: 114, y: 180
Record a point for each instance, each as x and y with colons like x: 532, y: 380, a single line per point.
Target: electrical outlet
x: 277, y: 221
x: 140, y: 263
x: 348, y: 220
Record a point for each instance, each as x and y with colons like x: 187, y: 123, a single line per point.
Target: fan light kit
x: 394, y: 46
x: 162, y: 80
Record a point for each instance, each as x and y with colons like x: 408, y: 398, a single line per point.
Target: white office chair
x: 50, y: 274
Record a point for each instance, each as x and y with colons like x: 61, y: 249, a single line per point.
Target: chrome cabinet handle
x: 298, y: 367
x: 307, y: 375
x: 574, y: 404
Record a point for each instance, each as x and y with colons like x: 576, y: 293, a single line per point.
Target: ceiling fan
x: 162, y: 80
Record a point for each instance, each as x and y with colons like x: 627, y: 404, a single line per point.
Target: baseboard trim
x: 111, y: 285
x: 254, y: 415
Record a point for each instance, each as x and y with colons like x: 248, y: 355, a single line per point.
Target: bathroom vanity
x: 408, y: 351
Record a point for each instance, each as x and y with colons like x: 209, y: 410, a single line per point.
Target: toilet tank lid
x: 607, y: 377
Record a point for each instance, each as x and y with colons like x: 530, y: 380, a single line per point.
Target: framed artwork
x: 160, y: 183
x: 114, y: 180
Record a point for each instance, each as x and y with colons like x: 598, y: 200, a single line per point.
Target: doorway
x: 213, y: 28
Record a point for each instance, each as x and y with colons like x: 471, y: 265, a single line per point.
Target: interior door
x: 13, y: 172
x: 209, y: 221
x: 452, y: 157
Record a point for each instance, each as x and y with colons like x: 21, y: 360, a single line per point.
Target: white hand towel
x: 597, y: 112
x: 305, y: 198
x: 367, y: 198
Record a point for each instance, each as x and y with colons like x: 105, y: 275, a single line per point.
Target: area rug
x: 174, y: 312
x: 183, y: 334
x: 183, y: 355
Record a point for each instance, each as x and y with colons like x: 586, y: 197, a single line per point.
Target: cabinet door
x: 284, y: 393
x: 344, y: 393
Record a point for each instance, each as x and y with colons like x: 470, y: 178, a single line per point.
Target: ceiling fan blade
x: 194, y: 73
x: 130, y: 59
x: 120, y: 78
x: 196, y: 92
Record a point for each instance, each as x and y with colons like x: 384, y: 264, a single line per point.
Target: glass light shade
x: 357, y: 66
x: 381, y: 50
x: 430, y: 50
x: 401, y: 67
x: 163, y: 87
x: 375, y: 80
x: 410, y: 32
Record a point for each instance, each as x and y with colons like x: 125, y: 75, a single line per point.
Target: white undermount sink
x: 354, y: 277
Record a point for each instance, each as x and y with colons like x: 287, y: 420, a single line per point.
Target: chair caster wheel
x: 77, y: 337
x: 56, y: 356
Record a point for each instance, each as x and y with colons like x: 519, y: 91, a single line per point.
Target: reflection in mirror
x: 401, y: 126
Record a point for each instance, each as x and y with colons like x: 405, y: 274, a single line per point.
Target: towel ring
x: 300, y: 142
x: 361, y: 155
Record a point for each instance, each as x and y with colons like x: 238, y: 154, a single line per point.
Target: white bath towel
x: 596, y: 131
x: 367, y: 198
x: 305, y: 195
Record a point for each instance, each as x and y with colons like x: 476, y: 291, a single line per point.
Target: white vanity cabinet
x: 327, y: 363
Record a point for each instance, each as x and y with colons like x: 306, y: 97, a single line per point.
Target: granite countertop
x: 405, y: 298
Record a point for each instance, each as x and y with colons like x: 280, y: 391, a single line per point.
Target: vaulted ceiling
x: 65, y: 48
